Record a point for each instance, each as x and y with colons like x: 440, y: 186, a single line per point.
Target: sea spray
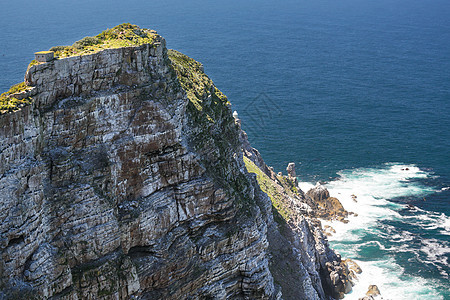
x: 401, y: 248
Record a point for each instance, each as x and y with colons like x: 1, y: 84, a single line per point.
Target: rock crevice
x: 124, y: 178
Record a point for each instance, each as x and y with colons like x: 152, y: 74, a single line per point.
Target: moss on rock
x: 9, y: 102
x: 275, y: 192
x: 213, y: 131
x: 123, y: 35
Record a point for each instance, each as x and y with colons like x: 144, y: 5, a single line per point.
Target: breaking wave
x: 401, y: 248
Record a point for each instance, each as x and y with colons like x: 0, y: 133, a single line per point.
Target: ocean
x: 355, y: 92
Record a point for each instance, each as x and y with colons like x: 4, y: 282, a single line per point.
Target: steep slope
x: 122, y: 177
x: 299, y: 250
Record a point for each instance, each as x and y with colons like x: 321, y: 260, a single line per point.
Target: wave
x: 392, y: 281
x: 431, y: 221
x: 389, y: 238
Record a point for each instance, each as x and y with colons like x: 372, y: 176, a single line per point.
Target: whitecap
x: 392, y: 282
x: 373, y: 188
x: 436, y: 253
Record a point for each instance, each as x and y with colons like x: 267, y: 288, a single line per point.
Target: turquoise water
x: 352, y: 91
x: 402, y: 249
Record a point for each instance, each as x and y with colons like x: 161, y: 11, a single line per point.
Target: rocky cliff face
x: 124, y: 179
x: 297, y: 245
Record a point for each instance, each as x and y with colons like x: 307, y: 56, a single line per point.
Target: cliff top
x: 123, y: 35
x: 9, y: 101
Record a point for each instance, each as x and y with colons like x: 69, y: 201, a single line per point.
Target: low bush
x: 85, y: 42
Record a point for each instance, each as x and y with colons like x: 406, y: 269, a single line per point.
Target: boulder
x: 373, y: 291
x: 318, y: 193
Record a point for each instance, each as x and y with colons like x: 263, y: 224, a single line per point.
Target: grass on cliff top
x: 272, y: 189
x: 123, y: 35
x: 193, y: 79
x: 9, y: 103
x: 216, y: 135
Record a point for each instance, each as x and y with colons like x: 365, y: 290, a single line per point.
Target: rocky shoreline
x: 126, y: 176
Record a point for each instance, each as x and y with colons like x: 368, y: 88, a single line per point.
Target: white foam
x: 431, y: 221
x: 372, y: 188
x: 436, y: 253
x: 392, y: 282
x: 305, y: 186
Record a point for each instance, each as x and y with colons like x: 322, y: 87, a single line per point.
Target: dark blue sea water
x: 353, y: 91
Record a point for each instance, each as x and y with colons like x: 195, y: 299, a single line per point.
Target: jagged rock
x: 291, y: 174
x: 328, y: 230
x: 329, y: 208
x: 318, y: 193
x: 114, y: 186
x: 352, y: 265
x: 340, y: 277
x: 317, y: 265
x: 253, y: 154
x: 291, y: 170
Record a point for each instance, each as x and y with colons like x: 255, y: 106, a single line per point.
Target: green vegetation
x: 43, y: 52
x: 33, y: 62
x: 272, y: 189
x: 288, y: 184
x: 123, y: 35
x: 194, y: 80
x: 215, y: 136
x: 17, y: 88
x: 9, y: 103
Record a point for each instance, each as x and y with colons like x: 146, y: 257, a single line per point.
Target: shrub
x: 85, y: 42
x: 8, y: 103
x: 58, y: 48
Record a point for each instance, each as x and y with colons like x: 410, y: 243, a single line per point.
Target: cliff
x: 122, y: 177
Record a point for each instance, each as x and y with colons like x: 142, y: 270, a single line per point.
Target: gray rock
x: 291, y: 170
x: 318, y: 193
x: 373, y: 291
x: 105, y: 191
x: 111, y: 187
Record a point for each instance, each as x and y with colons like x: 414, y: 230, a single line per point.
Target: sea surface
x: 355, y: 92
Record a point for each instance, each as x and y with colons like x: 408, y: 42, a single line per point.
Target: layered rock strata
x: 298, y: 229
x: 124, y: 179
x: 104, y: 193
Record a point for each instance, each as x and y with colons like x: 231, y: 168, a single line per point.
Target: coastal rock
x: 353, y: 266
x: 291, y: 170
x: 328, y: 230
x: 298, y: 229
x: 128, y: 177
x: 373, y: 291
x: 339, y: 278
x: 114, y: 186
x: 319, y: 193
x: 328, y: 208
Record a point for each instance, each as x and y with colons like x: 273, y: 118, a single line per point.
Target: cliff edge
x: 122, y: 177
